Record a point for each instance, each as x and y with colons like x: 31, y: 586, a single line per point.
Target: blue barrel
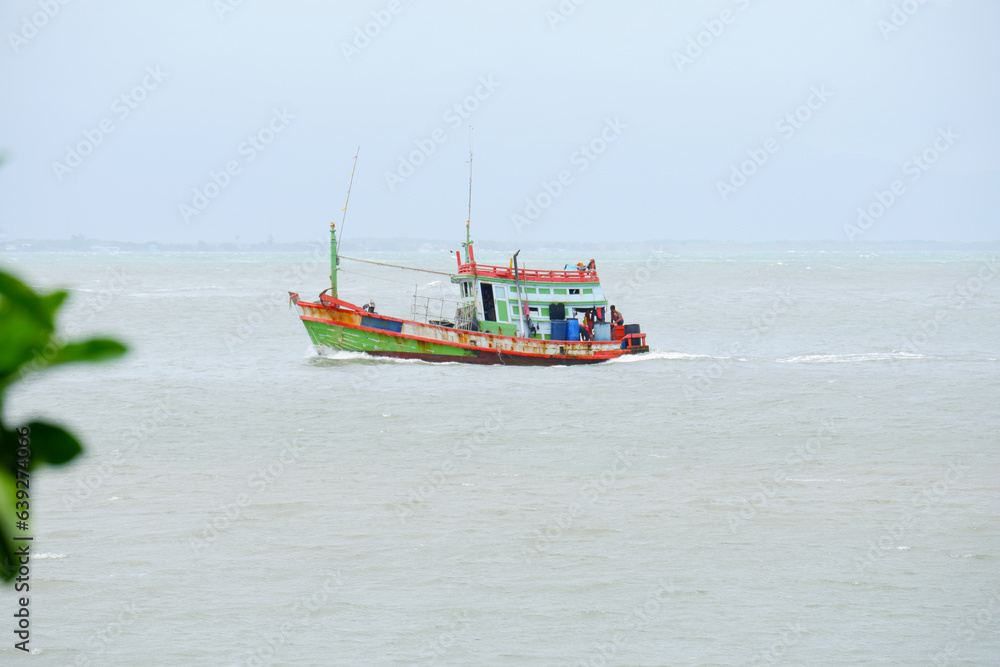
x: 572, y: 330
x: 558, y: 329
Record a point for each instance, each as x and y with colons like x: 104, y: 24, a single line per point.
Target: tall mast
x: 334, y: 259
x: 468, y: 220
x: 525, y: 319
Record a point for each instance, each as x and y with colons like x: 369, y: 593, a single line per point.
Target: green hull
x: 327, y: 334
x: 359, y: 340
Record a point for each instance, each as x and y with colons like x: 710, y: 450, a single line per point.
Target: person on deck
x: 616, y: 317
x: 587, y: 328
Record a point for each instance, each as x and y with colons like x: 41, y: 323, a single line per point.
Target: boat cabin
x: 547, y: 305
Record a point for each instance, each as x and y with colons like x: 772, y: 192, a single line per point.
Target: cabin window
x: 545, y: 311
x: 489, y: 306
x: 543, y: 290
x: 498, y: 292
x: 529, y: 290
x: 515, y: 309
x: 558, y: 291
x: 588, y: 291
x: 532, y: 310
x: 574, y: 291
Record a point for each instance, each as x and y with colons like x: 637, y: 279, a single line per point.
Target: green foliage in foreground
x: 28, y: 344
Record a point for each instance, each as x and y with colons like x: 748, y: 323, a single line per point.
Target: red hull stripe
x: 492, y: 357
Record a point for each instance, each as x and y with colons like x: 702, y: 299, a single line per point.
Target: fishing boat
x: 503, y: 315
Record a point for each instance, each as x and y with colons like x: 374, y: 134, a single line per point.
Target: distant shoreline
x: 84, y: 245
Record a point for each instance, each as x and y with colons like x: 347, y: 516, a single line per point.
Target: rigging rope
x: 395, y: 266
x: 365, y: 275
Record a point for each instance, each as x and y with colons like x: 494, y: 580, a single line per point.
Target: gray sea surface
x: 804, y: 470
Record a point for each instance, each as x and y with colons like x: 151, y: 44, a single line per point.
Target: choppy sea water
x: 804, y: 470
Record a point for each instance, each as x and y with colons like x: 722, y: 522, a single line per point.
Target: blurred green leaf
x: 51, y: 303
x: 28, y: 343
x: 21, y: 341
x: 21, y: 296
x: 26, y: 322
x: 52, y: 444
x: 8, y: 498
x: 95, y: 349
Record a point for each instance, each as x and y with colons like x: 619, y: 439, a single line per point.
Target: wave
x: 327, y: 354
x: 660, y: 355
x: 848, y: 358
x: 335, y: 355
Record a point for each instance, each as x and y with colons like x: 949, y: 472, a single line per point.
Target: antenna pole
x: 334, y: 254
x: 349, y: 186
x: 468, y: 220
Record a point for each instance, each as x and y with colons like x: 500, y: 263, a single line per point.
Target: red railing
x: 585, y: 276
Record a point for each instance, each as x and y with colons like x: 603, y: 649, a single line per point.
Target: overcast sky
x: 741, y: 120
